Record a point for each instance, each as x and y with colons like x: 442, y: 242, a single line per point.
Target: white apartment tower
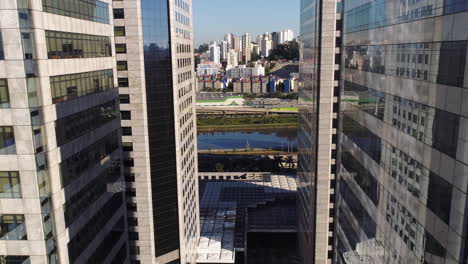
x: 224, y: 49
x: 246, y: 47
x: 236, y: 43
x: 215, y: 53
x: 233, y: 58
x: 267, y: 45
x: 228, y: 39
x: 285, y: 35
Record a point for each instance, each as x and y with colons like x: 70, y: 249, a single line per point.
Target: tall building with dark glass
x: 399, y: 160
x: 61, y: 195
x: 403, y: 175
x: 154, y: 45
x: 318, y: 123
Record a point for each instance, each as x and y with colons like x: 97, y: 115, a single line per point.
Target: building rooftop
x: 223, y: 209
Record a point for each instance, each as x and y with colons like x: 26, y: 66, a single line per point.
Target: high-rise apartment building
x: 318, y: 100
x: 285, y: 35
x: 267, y: 46
x: 215, y: 53
x: 61, y: 192
x: 154, y: 42
x: 236, y: 43
x: 275, y: 39
x: 400, y: 171
x: 246, y: 47
x: 228, y: 39
x: 233, y: 58
x: 259, y: 43
x: 255, y: 49
x: 224, y: 49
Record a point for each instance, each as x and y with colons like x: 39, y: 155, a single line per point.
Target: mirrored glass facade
x: 403, y: 177
x: 161, y: 124
x: 63, y: 45
x: 307, y: 133
x: 92, y: 10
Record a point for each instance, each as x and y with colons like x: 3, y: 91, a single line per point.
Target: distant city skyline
x: 258, y: 16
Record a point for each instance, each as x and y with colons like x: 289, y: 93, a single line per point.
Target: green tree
x: 255, y: 56
x: 202, y: 48
x: 286, y: 51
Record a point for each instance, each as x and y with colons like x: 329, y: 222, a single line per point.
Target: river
x: 277, y: 138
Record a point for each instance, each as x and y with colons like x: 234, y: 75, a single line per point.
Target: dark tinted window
x: 365, y: 221
x: 2, y: 55
x: 124, y: 98
x: 127, y: 146
x: 361, y: 176
x: 133, y: 235
x: 439, y: 197
x: 118, y: 13
x: 71, y: 86
x: 445, y: 132
x: 4, y: 95
x: 94, y: 225
x: 10, y: 186
x: 126, y: 115
x: 433, y: 250
x: 14, y: 259
x: 122, y: 254
x: 92, y: 10
x: 132, y: 207
x: 108, y: 243
x: 7, y: 141
x: 126, y: 131
x: 76, y: 125
x: 72, y: 167
x: 132, y: 221
x: 64, y: 45
x: 129, y: 163
x: 119, y: 31
x: 161, y: 124
x: 12, y: 227
x: 123, y: 82
x: 82, y: 200
x: 363, y: 137
x: 122, y: 66
x: 455, y: 6
x: 452, y: 61
x: 121, y: 48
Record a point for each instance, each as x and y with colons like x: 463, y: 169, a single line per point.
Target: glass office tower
x: 154, y: 45
x: 60, y: 150
x: 403, y: 177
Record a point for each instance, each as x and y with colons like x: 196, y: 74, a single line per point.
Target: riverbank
x: 244, y: 151
x: 251, y: 127
x: 246, y: 122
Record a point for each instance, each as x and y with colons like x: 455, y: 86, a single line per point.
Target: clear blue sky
x: 214, y: 18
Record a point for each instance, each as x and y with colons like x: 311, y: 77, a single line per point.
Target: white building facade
x: 215, y: 53
x: 61, y: 191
